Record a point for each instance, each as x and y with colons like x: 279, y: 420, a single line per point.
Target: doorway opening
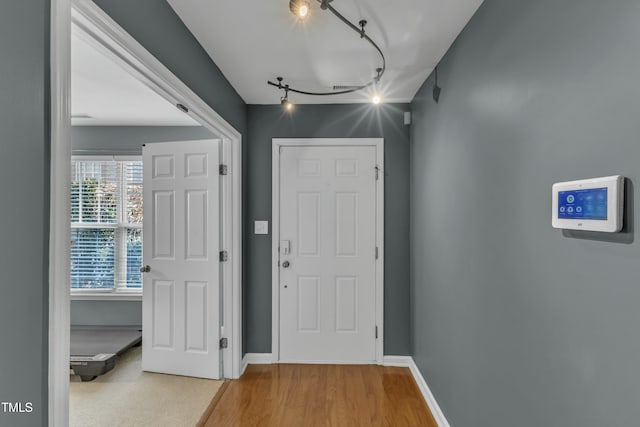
x: 101, y: 32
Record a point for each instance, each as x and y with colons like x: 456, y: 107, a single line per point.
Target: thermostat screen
x: 583, y: 204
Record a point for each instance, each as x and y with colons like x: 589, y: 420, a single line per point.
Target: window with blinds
x: 106, y: 224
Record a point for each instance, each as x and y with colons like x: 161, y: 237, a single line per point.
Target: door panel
x: 346, y: 304
x: 308, y: 304
x: 308, y: 224
x: 163, y: 224
x: 346, y: 219
x: 196, y: 306
x: 162, y: 294
x: 327, y: 281
x: 196, y: 226
x: 181, y: 315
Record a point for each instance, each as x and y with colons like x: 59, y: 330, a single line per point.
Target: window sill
x: 106, y: 296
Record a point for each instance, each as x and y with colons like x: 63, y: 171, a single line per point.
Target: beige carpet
x: 126, y: 396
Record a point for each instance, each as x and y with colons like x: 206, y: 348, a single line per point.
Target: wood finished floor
x: 320, y: 395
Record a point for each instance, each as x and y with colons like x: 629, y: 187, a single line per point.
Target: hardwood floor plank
x: 207, y: 413
x: 321, y: 395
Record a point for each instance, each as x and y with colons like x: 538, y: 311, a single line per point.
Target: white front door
x: 180, y: 310
x: 327, y: 254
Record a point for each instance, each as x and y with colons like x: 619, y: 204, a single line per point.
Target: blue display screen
x: 583, y: 204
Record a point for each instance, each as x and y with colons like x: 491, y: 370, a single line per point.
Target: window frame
x: 120, y: 291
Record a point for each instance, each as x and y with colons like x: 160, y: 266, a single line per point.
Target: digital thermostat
x: 595, y: 204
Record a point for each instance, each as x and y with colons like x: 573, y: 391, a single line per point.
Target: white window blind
x: 106, y: 224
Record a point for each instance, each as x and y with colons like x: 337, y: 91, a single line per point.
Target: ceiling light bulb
x: 286, y: 104
x: 376, y: 99
x: 300, y: 8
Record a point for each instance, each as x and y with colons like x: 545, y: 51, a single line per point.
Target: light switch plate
x: 261, y: 227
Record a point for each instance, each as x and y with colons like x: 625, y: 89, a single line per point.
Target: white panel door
x: 180, y: 310
x: 327, y: 254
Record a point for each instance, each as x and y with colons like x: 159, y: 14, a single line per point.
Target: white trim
x: 255, y: 359
x: 328, y: 362
x: 106, y: 296
x: 275, y: 235
x: 59, y: 227
x: 380, y: 245
x: 378, y: 143
x: 106, y: 157
x: 437, y: 413
x: 144, y: 66
x: 398, y: 361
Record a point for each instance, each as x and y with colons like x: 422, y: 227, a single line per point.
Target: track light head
x: 286, y: 104
x: 300, y: 8
x: 376, y: 99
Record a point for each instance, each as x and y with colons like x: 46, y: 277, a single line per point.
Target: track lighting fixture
x: 301, y: 9
x: 284, y: 101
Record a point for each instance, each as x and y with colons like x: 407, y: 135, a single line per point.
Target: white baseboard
x: 408, y: 362
x: 399, y: 361
x: 428, y: 396
x: 255, y: 359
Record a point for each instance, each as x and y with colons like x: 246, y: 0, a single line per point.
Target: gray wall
x: 129, y: 139
x: 327, y: 121
x: 106, y: 312
x: 24, y: 217
x: 121, y: 140
x: 516, y: 323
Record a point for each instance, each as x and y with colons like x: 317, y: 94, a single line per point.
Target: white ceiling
x: 110, y: 96
x: 253, y: 41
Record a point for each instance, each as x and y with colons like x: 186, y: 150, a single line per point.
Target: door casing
x: 378, y: 143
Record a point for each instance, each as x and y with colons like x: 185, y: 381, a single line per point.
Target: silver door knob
x: 145, y: 269
x: 285, y: 264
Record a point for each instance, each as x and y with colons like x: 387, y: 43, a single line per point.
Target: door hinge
x: 224, y: 169
x: 376, y: 252
x: 224, y: 343
x: 224, y: 256
x: 377, y: 172
x: 376, y: 332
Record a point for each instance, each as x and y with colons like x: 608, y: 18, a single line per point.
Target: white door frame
x: 378, y: 143
x: 114, y: 40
